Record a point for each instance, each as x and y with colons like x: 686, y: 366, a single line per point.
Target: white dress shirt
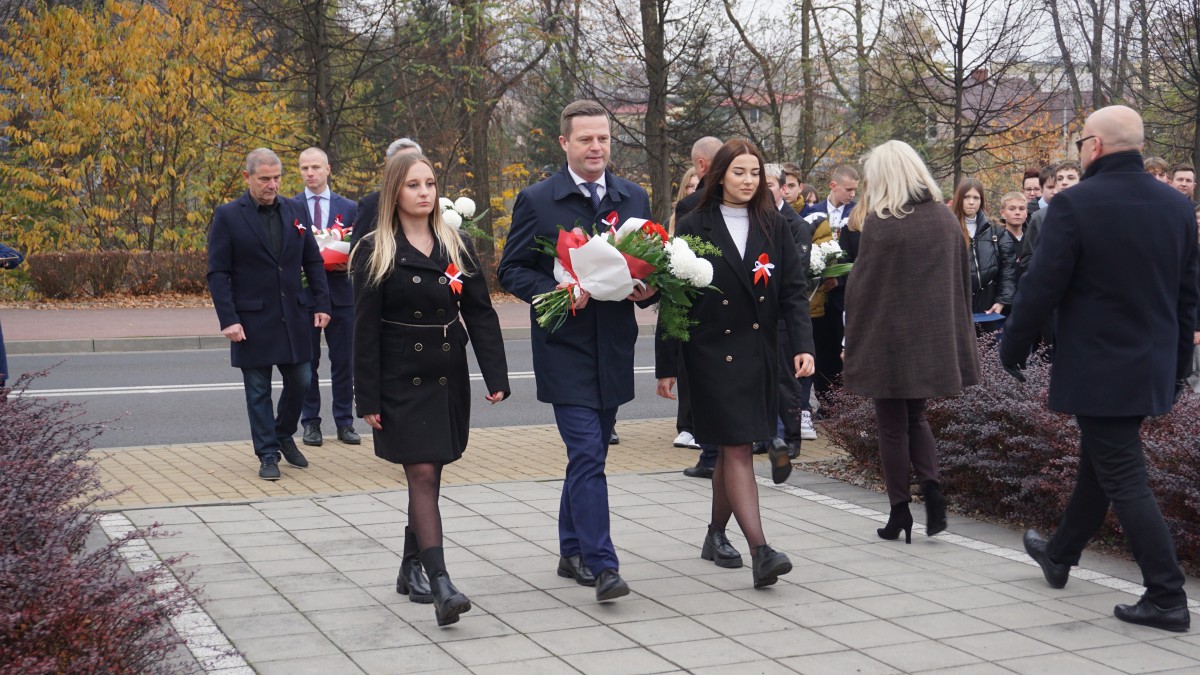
x: 308, y: 200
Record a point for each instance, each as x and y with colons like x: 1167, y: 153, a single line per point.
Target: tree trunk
x: 807, y: 140
x: 1068, y: 64
x: 658, y: 151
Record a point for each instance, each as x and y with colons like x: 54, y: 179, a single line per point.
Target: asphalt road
x: 190, y: 396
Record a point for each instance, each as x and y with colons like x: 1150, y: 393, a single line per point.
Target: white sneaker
x: 685, y: 440
x: 807, y: 432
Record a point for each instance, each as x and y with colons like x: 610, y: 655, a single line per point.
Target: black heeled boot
x: 768, y: 565
x: 412, y: 581
x: 718, y: 549
x: 935, y: 507
x: 448, y: 601
x: 899, y: 519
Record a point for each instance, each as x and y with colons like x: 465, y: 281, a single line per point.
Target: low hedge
x: 66, y: 607
x: 1005, y: 455
x: 67, y: 275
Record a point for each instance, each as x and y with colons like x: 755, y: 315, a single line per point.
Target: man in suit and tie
x: 1125, y: 300
x: 257, y: 245
x: 585, y: 368
x: 367, y: 213
x: 327, y: 208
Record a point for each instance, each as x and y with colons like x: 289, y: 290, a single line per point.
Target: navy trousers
x: 1112, y: 471
x: 583, y: 517
x: 267, y: 427
x: 339, y: 335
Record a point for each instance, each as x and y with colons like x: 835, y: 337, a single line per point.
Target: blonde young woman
x: 415, y: 279
x: 909, y: 335
x: 687, y: 185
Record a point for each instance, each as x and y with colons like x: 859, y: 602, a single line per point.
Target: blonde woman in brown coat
x: 909, y: 335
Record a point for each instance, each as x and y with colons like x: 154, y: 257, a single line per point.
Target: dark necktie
x: 594, y: 191
x: 317, y: 220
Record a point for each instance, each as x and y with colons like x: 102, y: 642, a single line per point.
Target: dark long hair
x: 761, y: 207
x: 965, y: 186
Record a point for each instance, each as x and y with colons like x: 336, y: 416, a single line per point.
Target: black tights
x: 424, y: 516
x: 735, y: 492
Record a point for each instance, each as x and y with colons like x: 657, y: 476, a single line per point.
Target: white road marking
x: 222, y: 386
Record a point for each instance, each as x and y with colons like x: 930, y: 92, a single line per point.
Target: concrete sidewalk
x: 69, y: 331
x: 307, y: 586
x: 298, y: 576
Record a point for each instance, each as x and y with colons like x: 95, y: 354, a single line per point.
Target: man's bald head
x: 1119, y: 128
x: 703, y: 152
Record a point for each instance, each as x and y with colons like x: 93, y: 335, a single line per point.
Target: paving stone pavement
x: 306, y: 585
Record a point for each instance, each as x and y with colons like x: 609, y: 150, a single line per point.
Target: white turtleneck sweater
x: 737, y: 221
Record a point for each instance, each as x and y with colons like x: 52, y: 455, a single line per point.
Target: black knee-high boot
x: 935, y: 508
x: 412, y: 581
x: 448, y: 602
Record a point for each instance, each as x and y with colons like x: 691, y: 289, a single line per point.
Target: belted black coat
x: 732, y: 358
x: 410, y: 352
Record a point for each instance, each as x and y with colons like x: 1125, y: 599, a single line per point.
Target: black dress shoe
x: 572, y: 567
x: 610, y: 586
x: 758, y: 447
x: 268, y: 468
x: 349, y: 436
x: 768, y: 565
x: 781, y: 464
x: 312, y: 434
x: 292, y: 454
x: 718, y: 549
x: 1146, y: 613
x: 793, y: 450
x: 614, y: 439
x: 698, y: 471
x: 1056, y: 573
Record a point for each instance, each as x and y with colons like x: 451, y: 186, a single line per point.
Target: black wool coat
x: 410, y: 358
x: 1122, y: 286
x: 732, y: 358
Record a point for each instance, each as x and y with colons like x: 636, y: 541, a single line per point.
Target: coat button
x: 727, y: 331
x: 441, y: 380
x: 762, y: 298
x: 416, y: 381
x: 755, y: 326
x: 724, y: 302
x: 416, y: 280
x: 441, y: 312
x: 728, y: 359
x: 416, y: 315
x: 442, y: 280
x: 404, y: 260
x: 418, y: 347
x: 445, y: 346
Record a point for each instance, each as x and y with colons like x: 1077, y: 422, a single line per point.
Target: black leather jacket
x: 993, y: 261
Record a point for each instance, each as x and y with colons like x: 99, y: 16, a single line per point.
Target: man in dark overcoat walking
x: 1123, y: 287
x: 585, y: 368
x: 257, y: 246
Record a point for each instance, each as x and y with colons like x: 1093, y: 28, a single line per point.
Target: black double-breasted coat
x: 410, y: 359
x: 732, y: 356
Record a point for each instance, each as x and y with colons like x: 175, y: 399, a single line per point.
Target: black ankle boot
x: 768, y: 565
x: 718, y: 549
x: 412, y: 581
x: 935, y: 507
x: 899, y: 519
x: 448, y: 602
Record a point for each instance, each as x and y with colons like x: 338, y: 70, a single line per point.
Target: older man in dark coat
x: 1124, y: 288
x: 585, y: 368
x: 257, y: 246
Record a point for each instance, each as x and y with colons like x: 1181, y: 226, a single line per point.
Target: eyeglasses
x: 1079, y: 143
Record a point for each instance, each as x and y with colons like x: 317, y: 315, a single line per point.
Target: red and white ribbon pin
x: 762, y: 269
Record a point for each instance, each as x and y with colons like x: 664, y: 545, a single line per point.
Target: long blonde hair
x: 895, y: 177
x: 383, y: 254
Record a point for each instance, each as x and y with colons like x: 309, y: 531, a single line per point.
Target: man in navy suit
x: 9, y: 258
x: 327, y: 208
x: 257, y: 245
x: 1123, y: 287
x: 585, y: 368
